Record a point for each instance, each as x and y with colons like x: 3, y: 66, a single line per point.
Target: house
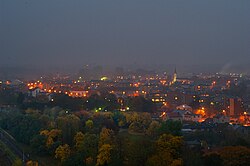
x: 189, y: 116
x: 183, y: 115
x: 184, y: 107
x: 175, y: 116
x: 35, y: 92
x: 221, y: 119
x: 78, y: 92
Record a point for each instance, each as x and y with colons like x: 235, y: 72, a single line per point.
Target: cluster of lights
x: 125, y: 109
x: 163, y: 82
x: 137, y: 84
x: 158, y: 100
x: 201, y: 111
x: 33, y: 85
x: 77, y: 94
x: 165, y: 103
x: 99, y: 109
x: 5, y: 82
x: 120, y: 77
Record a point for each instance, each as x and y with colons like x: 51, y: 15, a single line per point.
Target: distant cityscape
x: 51, y: 119
x: 215, y: 98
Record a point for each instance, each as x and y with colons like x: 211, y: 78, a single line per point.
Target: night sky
x: 124, y: 32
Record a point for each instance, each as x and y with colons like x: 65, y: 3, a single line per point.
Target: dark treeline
x: 95, y: 138
x: 119, y: 138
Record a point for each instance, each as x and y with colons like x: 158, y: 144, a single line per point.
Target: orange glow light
x: 201, y: 111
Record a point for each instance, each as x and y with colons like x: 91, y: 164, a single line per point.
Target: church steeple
x: 175, y: 75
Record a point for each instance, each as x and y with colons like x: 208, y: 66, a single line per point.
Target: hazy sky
x: 123, y: 32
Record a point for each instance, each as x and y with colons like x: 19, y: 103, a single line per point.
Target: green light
x: 100, y: 109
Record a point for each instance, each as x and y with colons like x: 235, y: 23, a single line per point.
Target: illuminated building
x: 235, y: 106
x: 175, y: 76
x: 35, y: 92
x: 183, y: 115
x: 78, y: 92
x: 184, y: 107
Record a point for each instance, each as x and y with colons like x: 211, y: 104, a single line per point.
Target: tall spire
x: 175, y: 75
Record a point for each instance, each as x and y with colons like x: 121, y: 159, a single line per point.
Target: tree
x: 136, y: 127
x: 45, y: 121
x: 62, y: 152
x: 95, y: 101
x: 131, y: 117
x: 229, y: 155
x: 170, y: 127
x: 235, y: 155
x: 177, y: 162
x: 67, y: 102
x: 89, y: 124
x: 17, y: 162
x: 212, y: 159
x: 89, y: 161
x: 79, y: 138
x: 153, y: 128
x: 136, y: 151
x: 38, y: 144
x: 106, y: 137
x: 69, y: 125
x: 138, y: 122
x: 170, y: 143
x: 90, y: 146
x: 168, y: 148
x: 191, y: 156
x: 140, y: 104
x: 163, y: 158
x: 52, y: 136
x: 24, y: 127
x: 104, y: 156
x: 119, y: 118
x: 86, y: 146
x: 32, y: 163
x: 111, y: 102
x: 20, y: 98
